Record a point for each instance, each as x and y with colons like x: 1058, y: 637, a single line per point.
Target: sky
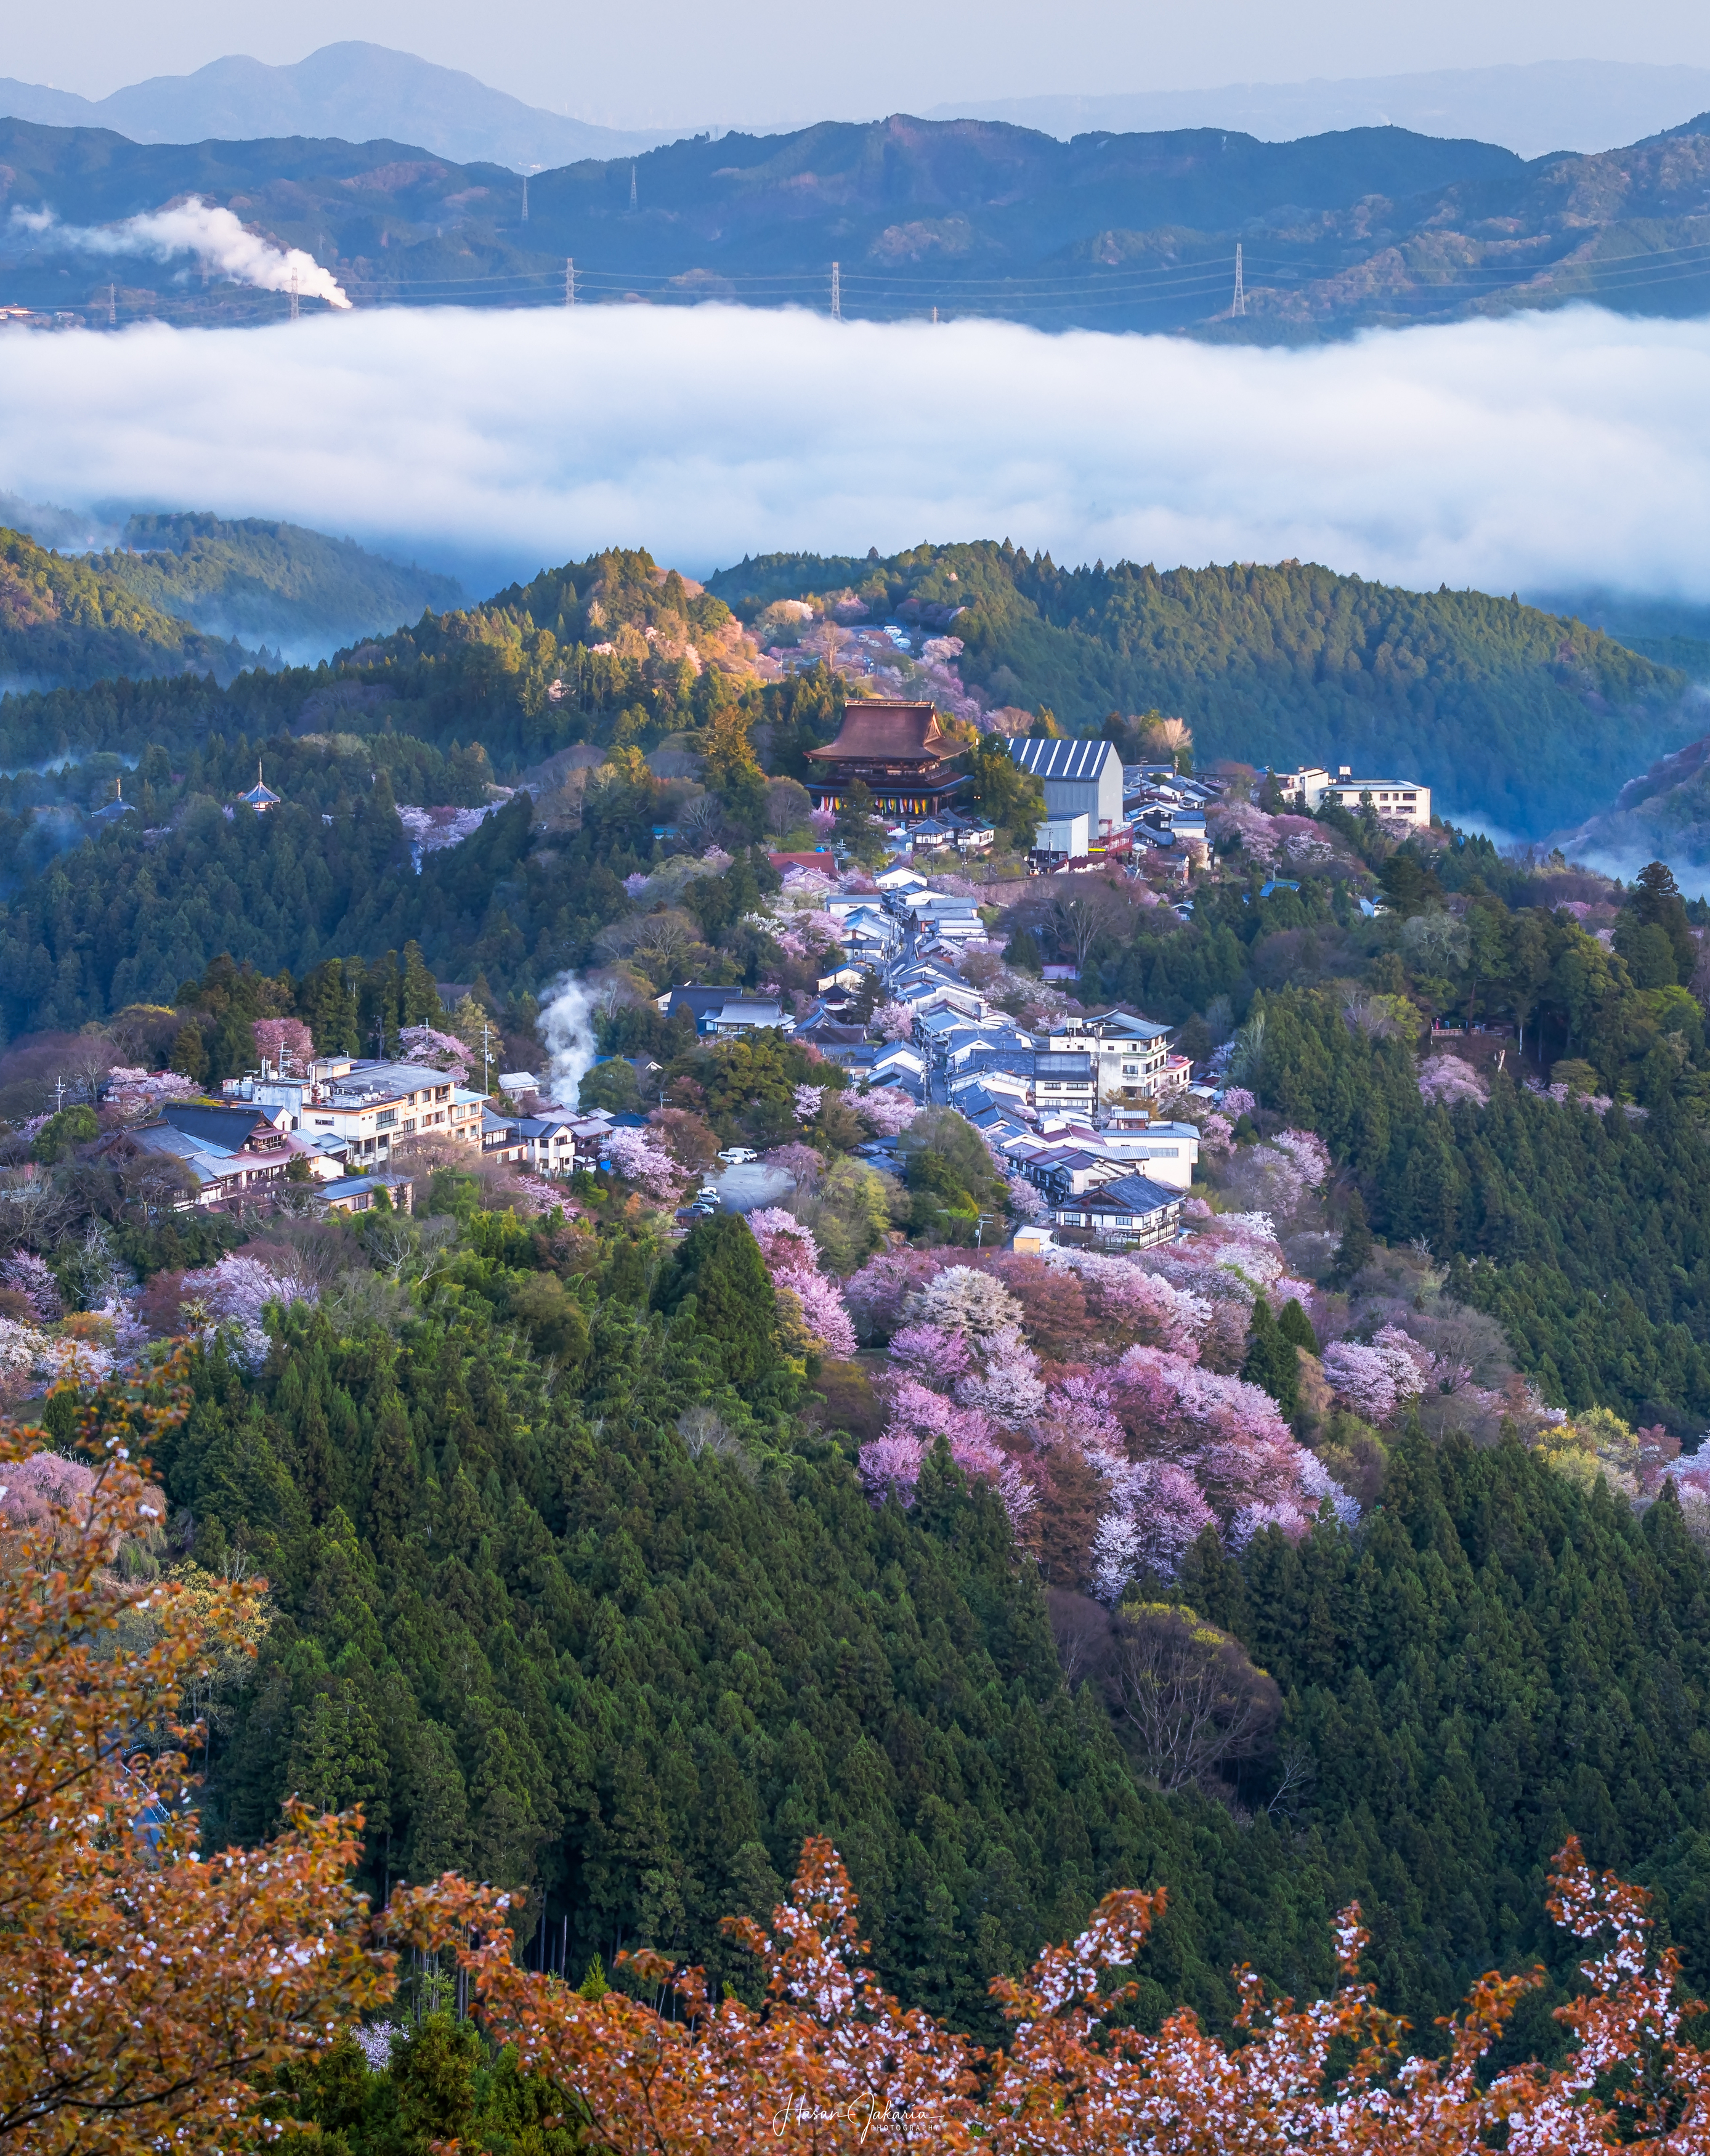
x: 681, y: 63
x: 1543, y: 451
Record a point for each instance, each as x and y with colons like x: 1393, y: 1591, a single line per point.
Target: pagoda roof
x: 874, y: 732
x: 260, y: 796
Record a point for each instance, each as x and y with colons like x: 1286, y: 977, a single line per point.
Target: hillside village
x: 1091, y: 1115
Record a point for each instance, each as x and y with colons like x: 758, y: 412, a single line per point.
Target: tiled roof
x: 888, y: 733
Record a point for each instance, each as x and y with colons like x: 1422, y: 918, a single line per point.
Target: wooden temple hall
x: 897, y: 752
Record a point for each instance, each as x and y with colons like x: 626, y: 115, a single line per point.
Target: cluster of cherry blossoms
x: 129, y: 1088
x: 887, y: 1110
x: 1446, y: 1079
x: 791, y: 1258
x: 1175, y: 1446
x: 640, y: 1159
x: 439, y: 1051
x: 230, y: 1301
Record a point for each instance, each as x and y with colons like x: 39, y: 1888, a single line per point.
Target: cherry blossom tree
x: 1373, y: 1379
x: 825, y: 1319
x: 1447, y: 1079
x: 930, y: 1353
x: 638, y: 1157
x: 878, y: 1292
x: 970, y: 1302
x: 1006, y: 1385
x: 284, y: 1042
x: 891, y: 1463
x: 33, y: 1278
x: 806, y: 1103
x: 893, y: 1022
x: 439, y: 1051
x: 887, y: 1110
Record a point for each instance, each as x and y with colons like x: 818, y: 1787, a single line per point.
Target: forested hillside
x: 1512, y: 715
x: 65, y: 619
x: 1363, y: 226
x: 267, y: 583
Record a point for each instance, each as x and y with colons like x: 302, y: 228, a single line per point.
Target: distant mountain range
x: 358, y: 92
x: 363, y: 92
x: 1548, y: 105
x: 1373, y: 226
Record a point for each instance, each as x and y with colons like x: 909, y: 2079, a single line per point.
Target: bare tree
x: 1191, y: 1701
x: 1082, y: 913
x: 700, y: 818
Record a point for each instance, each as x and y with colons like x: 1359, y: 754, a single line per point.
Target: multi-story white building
x: 1399, y: 800
x: 1131, y: 1056
x: 368, y: 1107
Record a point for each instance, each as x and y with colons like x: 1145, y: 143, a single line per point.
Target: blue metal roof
x: 1062, y: 759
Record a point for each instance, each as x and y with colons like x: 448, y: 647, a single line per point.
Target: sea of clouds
x: 1545, y: 450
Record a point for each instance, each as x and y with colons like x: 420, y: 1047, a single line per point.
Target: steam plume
x: 214, y: 236
x: 567, y: 1027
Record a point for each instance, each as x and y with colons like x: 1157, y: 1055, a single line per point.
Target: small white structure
x: 1064, y: 835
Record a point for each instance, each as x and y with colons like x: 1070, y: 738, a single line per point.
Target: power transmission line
x: 632, y: 190
x: 836, y: 295
x: 112, y: 306
x: 569, y: 280
x: 1240, y: 305
x: 524, y: 197
x: 294, y: 294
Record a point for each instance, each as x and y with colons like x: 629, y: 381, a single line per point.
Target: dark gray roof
x: 1062, y: 1063
x: 1128, y: 1194
x: 226, y: 1128
x: 1062, y: 759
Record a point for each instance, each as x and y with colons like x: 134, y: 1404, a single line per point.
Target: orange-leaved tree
x: 146, y: 1990
x: 830, y: 2062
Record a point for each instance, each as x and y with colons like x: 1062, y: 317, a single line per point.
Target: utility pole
x: 524, y: 197
x: 1240, y: 307
x: 632, y: 191
x: 112, y: 306
x: 294, y: 295
x: 486, y: 1060
x: 58, y: 1094
x: 836, y: 295
x: 569, y: 280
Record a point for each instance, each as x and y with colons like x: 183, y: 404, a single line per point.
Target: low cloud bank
x: 216, y: 237
x: 1544, y: 451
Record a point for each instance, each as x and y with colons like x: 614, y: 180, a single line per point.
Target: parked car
x: 739, y: 1156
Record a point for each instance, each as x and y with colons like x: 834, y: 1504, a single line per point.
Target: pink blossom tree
x: 1446, y: 1079
x: 806, y: 1101
x: 893, y: 1022
x: 635, y: 1156
x: 439, y: 1051
x: 877, y: 1293
x: 930, y: 1353
x: 285, y: 1042
x: 891, y: 1463
x: 886, y: 1111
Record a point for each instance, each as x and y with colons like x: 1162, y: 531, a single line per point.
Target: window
x: 385, y: 1119
x: 409, y: 1124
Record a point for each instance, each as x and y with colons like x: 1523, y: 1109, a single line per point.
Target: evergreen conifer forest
x: 1352, y: 1547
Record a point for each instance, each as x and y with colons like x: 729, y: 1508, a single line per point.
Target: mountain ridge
x: 1368, y: 228
x: 351, y: 88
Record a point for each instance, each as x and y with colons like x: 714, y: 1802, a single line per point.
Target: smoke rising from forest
x: 1544, y: 450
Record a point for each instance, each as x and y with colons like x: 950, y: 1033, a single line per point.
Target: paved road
x: 742, y: 1190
